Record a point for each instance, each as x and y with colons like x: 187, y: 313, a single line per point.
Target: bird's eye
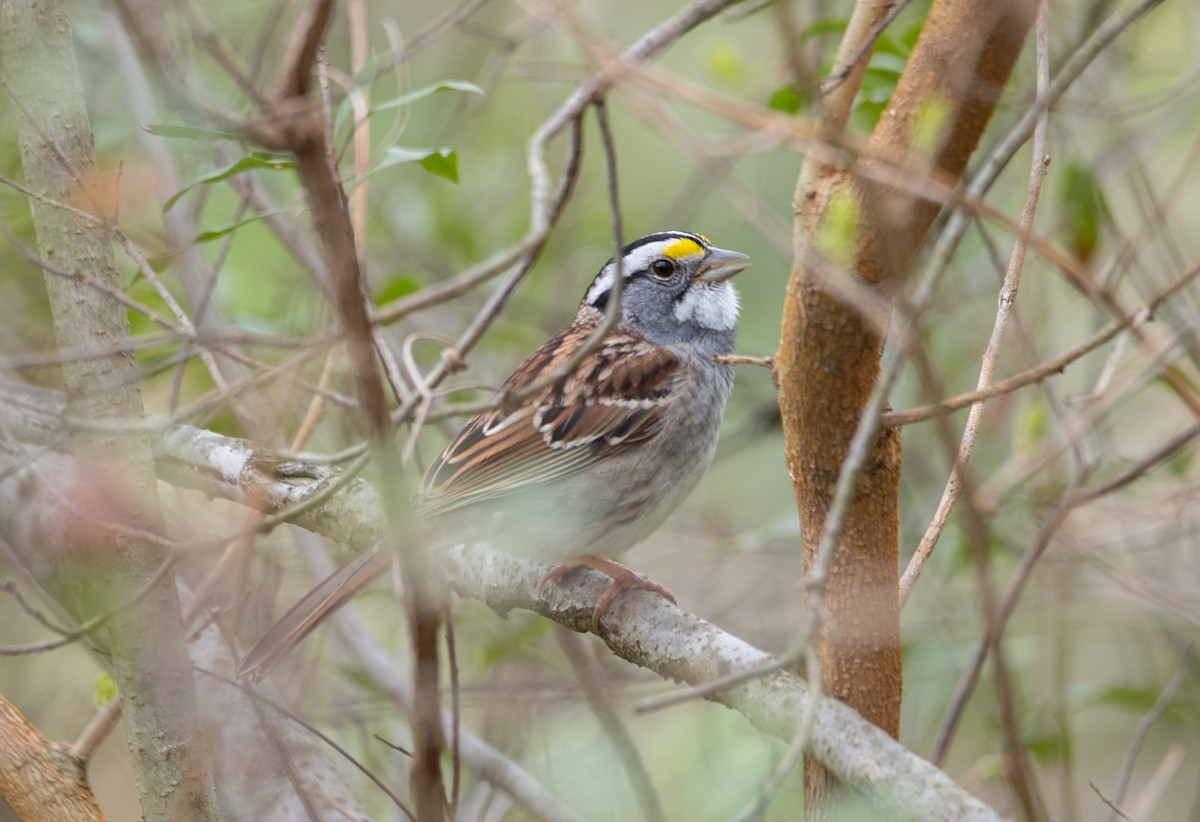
x: 662, y: 268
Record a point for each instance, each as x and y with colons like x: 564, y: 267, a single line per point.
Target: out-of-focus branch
x: 355, y: 636
x: 300, y: 54
x: 1075, y: 497
x: 1019, y: 771
x: 267, y: 768
x: 590, y: 678
x: 645, y: 630
x: 87, y: 564
x: 294, y: 123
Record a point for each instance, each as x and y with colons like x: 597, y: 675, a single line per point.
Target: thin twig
x: 857, y: 61
x: 9, y: 587
x: 1125, y: 772
x: 1147, y: 798
x: 798, y: 745
x: 589, y: 677
x: 300, y: 53
x: 767, y: 362
x: 896, y: 419
x: 257, y: 696
x: 1075, y: 497
x: 207, y: 36
x: 97, y: 730
x: 1116, y: 811
x: 97, y: 621
x: 512, y: 398
x: 356, y: 21
x: 1008, y: 296
x: 309, y: 141
x: 455, y: 715
x: 709, y: 689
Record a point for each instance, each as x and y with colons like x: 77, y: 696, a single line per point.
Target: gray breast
x: 617, y: 502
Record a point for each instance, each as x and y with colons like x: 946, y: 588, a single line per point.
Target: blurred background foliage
x: 1100, y: 630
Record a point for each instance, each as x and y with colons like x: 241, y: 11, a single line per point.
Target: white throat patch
x: 712, y: 305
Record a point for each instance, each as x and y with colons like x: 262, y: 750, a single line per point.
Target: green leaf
x: 104, y: 690
x: 395, y: 155
x: 1049, y: 747
x: 220, y: 231
x: 910, y: 36
x: 1084, y: 207
x: 397, y: 287
x: 1030, y: 423
x: 440, y: 161
x: 787, y: 100
x: 191, y: 133
x: 886, y: 45
x: 822, y: 27
x: 726, y: 64
x: 406, y: 99
x: 256, y: 160
x: 1129, y: 697
x: 878, y: 83
x: 443, y: 162
x: 420, y: 94
x: 887, y: 66
x: 517, y: 641
x: 1179, y: 464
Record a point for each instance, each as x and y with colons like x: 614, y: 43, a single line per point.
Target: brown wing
x: 614, y: 396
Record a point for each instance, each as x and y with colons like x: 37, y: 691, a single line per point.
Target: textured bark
x: 39, y: 779
x: 98, y: 563
x: 829, y: 355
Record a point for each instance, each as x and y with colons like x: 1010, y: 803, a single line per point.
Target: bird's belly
x: 612, y: 505
x: 604, y: 511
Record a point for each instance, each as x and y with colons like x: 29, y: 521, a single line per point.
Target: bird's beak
x: 720, y: 265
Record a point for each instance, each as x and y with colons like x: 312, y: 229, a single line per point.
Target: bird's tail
x: 334, y: 592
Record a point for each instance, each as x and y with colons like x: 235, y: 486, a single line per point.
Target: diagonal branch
x: 643, y: 629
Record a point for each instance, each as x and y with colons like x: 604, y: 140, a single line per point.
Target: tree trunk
x: 829, y: 356
x: 101, y: 564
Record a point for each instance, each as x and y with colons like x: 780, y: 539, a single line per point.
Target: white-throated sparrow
x: 593, y: 463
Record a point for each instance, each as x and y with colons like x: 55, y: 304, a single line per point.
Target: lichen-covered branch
x: 643, y: 629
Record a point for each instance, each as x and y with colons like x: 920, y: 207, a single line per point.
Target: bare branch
x: 1007, y: 298
x: 645, y: 630
x: 1143, y: 726
x: 40, y: 780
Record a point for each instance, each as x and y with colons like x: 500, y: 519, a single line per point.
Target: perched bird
x: 594, y: 459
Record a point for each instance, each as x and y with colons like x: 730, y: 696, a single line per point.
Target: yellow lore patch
x: 682, y: 247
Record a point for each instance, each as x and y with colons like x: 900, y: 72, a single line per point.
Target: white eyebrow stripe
x: 602, y: 285
x: 636, y: 260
